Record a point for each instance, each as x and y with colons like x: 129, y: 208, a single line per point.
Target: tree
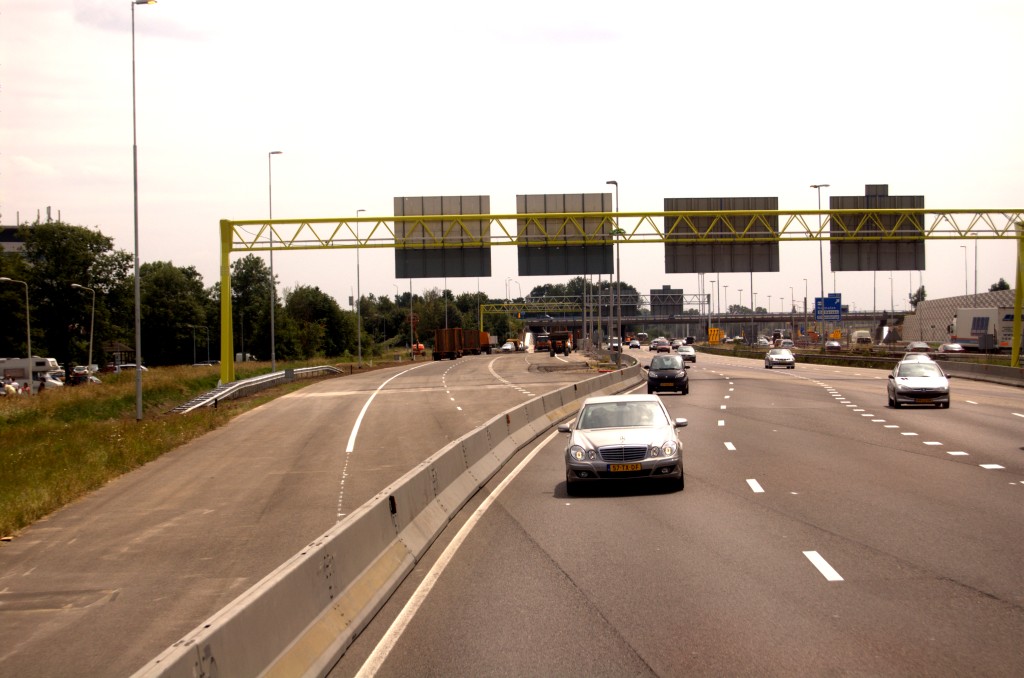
x: 322, y: 328
x: 917, y: 297
x: 250, y: 303
x: 55, y: 256
x: 173, y: 301
x: 1001, y: 285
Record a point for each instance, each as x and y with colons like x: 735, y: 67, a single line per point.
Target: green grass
x: 64, y: 443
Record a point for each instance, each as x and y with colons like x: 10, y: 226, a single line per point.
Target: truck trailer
x: 448, y: 343
x: 983, y: 329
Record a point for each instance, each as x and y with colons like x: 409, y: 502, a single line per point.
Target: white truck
x: 983, y: 329
x: 27, y: 370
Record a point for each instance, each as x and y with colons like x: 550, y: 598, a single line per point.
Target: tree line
x: 180, y: 314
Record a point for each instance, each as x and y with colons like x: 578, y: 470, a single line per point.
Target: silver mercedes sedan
x: 623, y: 437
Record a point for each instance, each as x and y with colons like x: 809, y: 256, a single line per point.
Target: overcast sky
x: 372, y: 100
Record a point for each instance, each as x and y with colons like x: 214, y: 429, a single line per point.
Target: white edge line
x: 387, y: 643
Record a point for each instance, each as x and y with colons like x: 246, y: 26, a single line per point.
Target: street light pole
x: 28, y: 325
x: 821, y: 256
x: 359, y: 311
x: 618, y: 273
x: 273, y: 281
x: 135, y: 193
x: 92, y: 319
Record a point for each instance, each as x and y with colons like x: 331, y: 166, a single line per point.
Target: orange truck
x: 476, y: 342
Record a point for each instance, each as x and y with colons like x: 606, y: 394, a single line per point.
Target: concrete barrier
x: 299, y: 619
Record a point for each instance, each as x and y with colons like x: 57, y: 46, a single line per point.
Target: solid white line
x: 387, y: 643
x: 754, y: 485
x: 359, y: 420
x: 826, y: 570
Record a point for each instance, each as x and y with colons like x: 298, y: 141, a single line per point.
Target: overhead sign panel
x: 877, y: 242
x: 684, y: 253
x: 464, y: 253
x: 554, y: 245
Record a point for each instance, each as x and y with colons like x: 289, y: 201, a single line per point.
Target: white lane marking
x: 991, y: 467
x: 957, y: 453
x: 867, y: 415
x: 859, y: 409
x: 387, y: 643
x: 970, y: 402
x: 359, y: 420
x: 730, y: 447
x: 1017, y: 414
x: 458, y: 408
x: 932, y: 442
x: 891, y: 426
x: 727, y: 397
x: 878, y: 421
x: 721, y: 422
x: 826, y: 570
x: 754, y: 485
x: 722, y: 407
x: 907, y: 433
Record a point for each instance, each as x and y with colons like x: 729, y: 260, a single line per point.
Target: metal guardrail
x: 244, y: 387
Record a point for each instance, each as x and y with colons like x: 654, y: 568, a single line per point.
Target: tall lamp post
x: 135, y: 193
x: 821, y: 255
x: 92, y: 319
x: 273, y: 281
x: 28, y: 324
x: 359, y: 294
x: 618, y: 232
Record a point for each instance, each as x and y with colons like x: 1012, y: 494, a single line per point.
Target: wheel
x: 895, y: 404
x: 945, y: 405
x: 889, y: 399
x: 792, y: 367
x: 650, y: 390
x: 767, y: 366
x: 686, y: 390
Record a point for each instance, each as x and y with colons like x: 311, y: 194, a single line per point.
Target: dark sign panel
x: 880, y: 242
x: 553, y: 246
x: 684, y: 254
x: 462, y: 256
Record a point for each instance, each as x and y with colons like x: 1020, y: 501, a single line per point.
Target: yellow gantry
x: 460, y: 231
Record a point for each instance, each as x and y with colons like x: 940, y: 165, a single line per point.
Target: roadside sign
x: 829, y: 309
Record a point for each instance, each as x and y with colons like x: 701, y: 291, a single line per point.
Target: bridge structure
x: 579, y: 229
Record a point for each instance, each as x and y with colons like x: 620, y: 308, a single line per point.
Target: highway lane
x: 103, y: 586
x: 811, y: 539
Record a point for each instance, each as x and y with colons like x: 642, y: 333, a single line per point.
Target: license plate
x: 623, y: 467
x: 667, y: 383
x: 923, y: 400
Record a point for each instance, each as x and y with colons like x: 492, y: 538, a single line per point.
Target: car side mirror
x: 680, y: 422
x: 645, y: 367
x: 892, y: 377
x: 564, y: 428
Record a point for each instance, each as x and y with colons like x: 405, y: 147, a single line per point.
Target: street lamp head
x: 275, y: 153
x: 612, y: 183
x: 819, y: 185
x: 6, y: 279
x: 143, y: 2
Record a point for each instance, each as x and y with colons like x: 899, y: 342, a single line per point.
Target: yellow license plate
x: 624, y: 467
x: 667, y: 383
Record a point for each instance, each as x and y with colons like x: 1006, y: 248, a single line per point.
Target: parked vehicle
x: 621, y: 438
x: 918, y: 382
x: 24, y: 370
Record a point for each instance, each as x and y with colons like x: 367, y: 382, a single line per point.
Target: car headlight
x: 577, y: 453
x: 665, y: 449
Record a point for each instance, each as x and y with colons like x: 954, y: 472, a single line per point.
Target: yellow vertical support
x: 227, y: 338
x: 1018, y: 297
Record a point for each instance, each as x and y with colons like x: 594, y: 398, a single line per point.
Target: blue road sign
x: 829, y: 309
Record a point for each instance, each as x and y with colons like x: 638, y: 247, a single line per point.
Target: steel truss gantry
x: 463, y: 231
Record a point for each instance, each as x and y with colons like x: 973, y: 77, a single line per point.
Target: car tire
x: 571, y: 488
x: 895, y: 404
x: 889, y: 400
x: 650, y: 391
x: 792, y: 367
x: 945, y: 405
x: 686, y: 390
x: 767, y: 366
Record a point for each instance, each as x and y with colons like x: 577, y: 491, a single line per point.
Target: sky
x: 368, y: 101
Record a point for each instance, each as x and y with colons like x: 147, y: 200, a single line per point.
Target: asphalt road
x: 820, y: 533
x: 103, y: 586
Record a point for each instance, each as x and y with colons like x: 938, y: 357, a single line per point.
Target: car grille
x: 621, y: 453
x: 923, y: 393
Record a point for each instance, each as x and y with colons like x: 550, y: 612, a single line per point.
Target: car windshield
x: 620, y: 415
x: 779, y: 351
x: 919, y: 370
x: 667, y: 362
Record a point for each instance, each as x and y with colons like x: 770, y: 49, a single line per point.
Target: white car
x: 779, y: 357
x: 689, y: 353
x: 625, y: 437
x: 918, y: 382
x: 508, y: 347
